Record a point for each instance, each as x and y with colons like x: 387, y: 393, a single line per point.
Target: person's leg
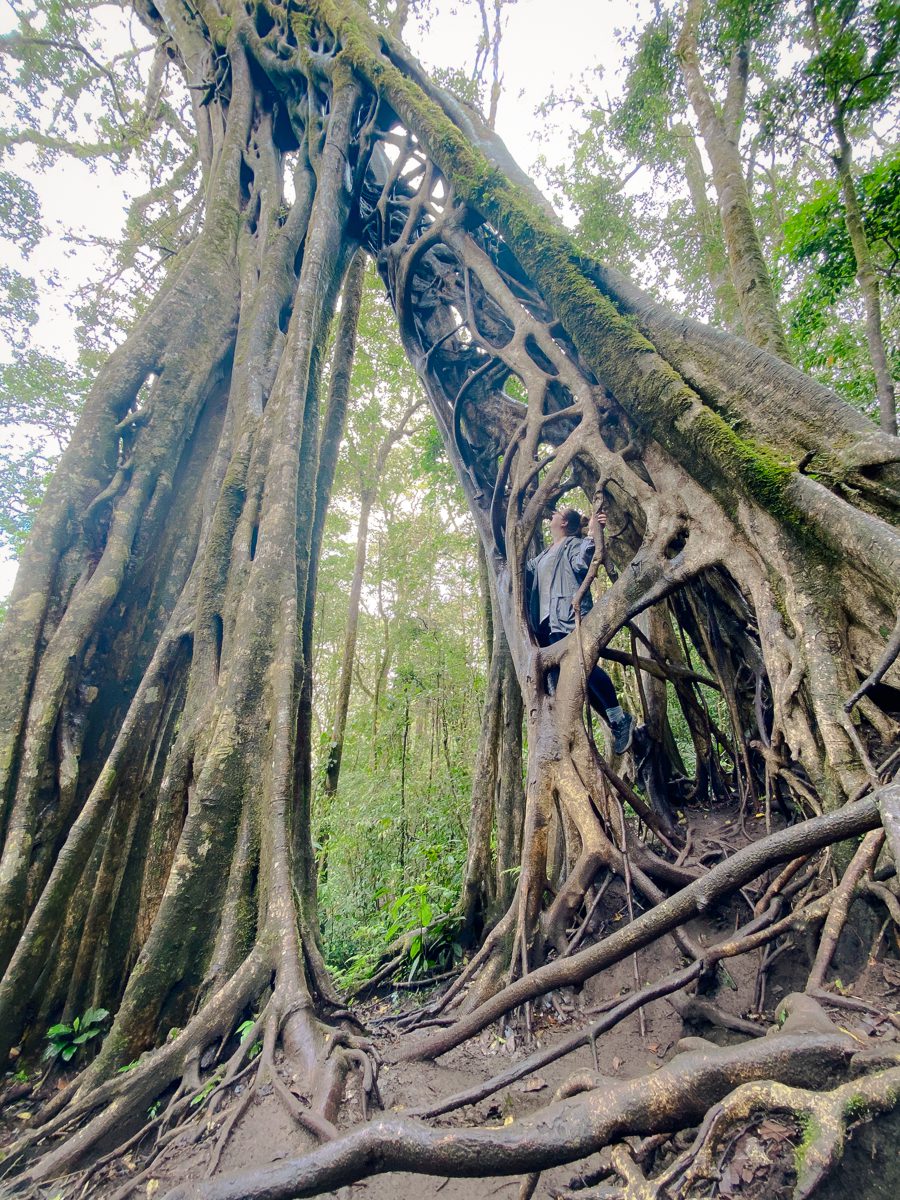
x: 603, y: 698
x: 601, y: 691
x: 546, y: 638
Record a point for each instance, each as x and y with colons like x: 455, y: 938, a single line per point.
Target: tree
x: 370, y: 475
x: 156, y: 774
x: 720, y: 128
x: 848, y: 79
x: 825, y: 320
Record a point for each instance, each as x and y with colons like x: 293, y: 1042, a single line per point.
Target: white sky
x: 547, y: 45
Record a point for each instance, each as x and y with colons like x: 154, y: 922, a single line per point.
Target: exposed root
x: 124, y: 1097
x: 889, y: 656
x: 565, y: 1131
x: 824, y: 1118
x: 863, y: 861
x: 723, y: 879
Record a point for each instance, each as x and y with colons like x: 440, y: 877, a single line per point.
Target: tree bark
x: 712, y: 246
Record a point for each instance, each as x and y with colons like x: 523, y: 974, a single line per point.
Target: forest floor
x: 757, y: 1164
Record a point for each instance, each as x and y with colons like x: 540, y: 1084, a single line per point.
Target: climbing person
x: 553, y: 577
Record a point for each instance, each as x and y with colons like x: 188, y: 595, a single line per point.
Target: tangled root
x: 678, y: 1094
x: 824, y: 1117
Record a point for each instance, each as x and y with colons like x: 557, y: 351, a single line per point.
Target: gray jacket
x: 571, y: 567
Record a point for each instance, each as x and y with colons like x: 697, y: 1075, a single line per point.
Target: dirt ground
x: 757, y: 1164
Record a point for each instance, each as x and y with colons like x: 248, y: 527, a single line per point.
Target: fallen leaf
x: 535, y: 1085
x: 774, y: 1132
x: 24, y: 1116
x: 152, y: 1187
x: 616, y: 1064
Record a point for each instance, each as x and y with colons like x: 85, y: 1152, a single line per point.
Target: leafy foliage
x: 65, y: 1041
x: 826, y: 322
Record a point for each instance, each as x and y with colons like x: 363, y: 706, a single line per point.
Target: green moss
x: 301, y: 27
x: 219, y: 28
x: 809, y: 1131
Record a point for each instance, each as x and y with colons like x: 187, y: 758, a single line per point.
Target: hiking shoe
x: 622, y: 732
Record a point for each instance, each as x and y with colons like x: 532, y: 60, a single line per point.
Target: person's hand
x: 596, y: 523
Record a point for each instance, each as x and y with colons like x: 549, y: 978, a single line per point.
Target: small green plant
x: 153, y: 1110
x: 243, y: 1031
x: 128, y: 1067
x: 66, y: 1040
x: 208, y: 1087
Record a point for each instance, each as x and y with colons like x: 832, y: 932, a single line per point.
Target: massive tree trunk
x: 155, y: 767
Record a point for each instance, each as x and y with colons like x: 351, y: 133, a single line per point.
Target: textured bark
x: 712, y: 245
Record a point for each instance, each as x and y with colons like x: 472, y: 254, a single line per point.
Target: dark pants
x: 601, y: 692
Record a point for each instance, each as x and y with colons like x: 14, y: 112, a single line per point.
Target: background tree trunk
x: 867, y: 277
x: 721, y: 135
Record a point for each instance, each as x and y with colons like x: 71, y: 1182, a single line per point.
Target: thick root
x: 677, y: 1094
x: 824, y: 1118
x: 727, y: 877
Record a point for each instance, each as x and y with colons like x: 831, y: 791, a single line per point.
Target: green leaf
x: 85, y: 1036
x: 94, y: 1016
x: 56, y: 1031
x: 69, y: 1052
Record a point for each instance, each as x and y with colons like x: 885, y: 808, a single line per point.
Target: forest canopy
x: 294, y: 757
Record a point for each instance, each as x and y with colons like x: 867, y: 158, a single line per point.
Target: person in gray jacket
x: 553, y: 577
